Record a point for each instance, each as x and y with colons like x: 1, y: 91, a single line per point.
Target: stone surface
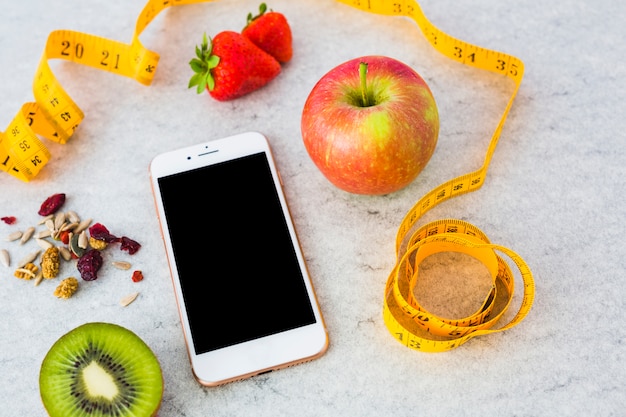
x: 554, y: 194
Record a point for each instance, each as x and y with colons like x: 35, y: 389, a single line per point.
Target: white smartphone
x: 246, y: 301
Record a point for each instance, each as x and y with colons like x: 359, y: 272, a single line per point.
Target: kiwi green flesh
x: 100, y: 370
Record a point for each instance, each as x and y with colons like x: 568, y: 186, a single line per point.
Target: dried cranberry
x: 9, y: 219
x: 52, y: 204
x: 129, y: 245
x: 100, y: 232
x: 89, y: 264
x: 137, y: 276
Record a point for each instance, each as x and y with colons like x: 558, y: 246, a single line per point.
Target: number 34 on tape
x: 54, y: 115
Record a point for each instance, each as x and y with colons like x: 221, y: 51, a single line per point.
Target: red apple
x: 370, y: 125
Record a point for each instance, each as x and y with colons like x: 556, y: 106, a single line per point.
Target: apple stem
x: 363, y: 75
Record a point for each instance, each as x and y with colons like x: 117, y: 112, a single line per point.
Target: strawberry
x: 229, y: 66
x: 270, y: 32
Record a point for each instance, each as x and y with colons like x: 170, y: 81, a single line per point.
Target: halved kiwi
x: 98, y: 370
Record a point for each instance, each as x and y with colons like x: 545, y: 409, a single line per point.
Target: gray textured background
x: 554, y: 194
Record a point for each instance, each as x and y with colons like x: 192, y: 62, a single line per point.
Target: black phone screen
x: 237, y: 265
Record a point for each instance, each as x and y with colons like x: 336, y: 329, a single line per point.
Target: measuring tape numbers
x: 409, y: 322
x: 54, y: 115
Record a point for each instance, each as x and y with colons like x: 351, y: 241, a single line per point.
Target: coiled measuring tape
x: 55, y: 116
x: 409, y: 322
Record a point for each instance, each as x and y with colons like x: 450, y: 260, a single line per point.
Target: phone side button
x: 264, y: 372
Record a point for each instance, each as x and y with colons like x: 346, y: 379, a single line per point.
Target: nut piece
x: 128, y: 299
x: 50, y: 262
x: 66, y: 288
x: 28, y: 272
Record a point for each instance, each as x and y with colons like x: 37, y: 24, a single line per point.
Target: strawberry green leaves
x: 262, y: 10
x: 202, y: 66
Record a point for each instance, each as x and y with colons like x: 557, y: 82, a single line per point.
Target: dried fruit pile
x: 233, y: 64
x: 65, y: 237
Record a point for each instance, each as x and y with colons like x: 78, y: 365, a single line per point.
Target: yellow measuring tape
x: 405, y: 318
x: 55, y: 116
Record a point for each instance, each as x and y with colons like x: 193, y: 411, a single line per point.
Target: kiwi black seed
x: 100, y: 370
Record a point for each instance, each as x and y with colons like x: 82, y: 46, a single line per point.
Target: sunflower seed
x: 44, y: 244
x: 5, y: 259
x: 65, y: 253
x: 121, y: 265
x: 50, y: 225
x: 14, y: 236
x: 38, y: 278
x: 69, y: 226
x: 59, y: 220
x: 45, y: 219
x: 28, y: 258
x: 73, y: 217
x: 82, y: 225
x: 28, y: 233
x: 43, y: 233
x: 128, y: 299
x: 83, y: 240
